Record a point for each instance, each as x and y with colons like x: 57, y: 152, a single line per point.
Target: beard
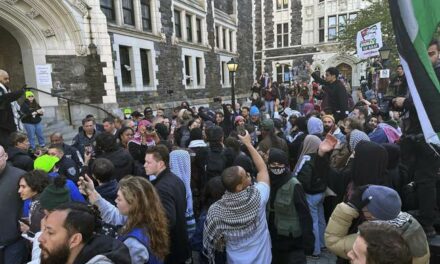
x: 327, y: 128
x: 58, y: 255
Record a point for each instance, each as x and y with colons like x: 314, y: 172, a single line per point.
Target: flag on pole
x: 415, y: 22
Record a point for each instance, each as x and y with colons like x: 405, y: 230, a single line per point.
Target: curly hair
x: 37, y: 180
x: 146, y: 212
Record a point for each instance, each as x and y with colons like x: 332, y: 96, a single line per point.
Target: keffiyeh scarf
x: 233, y: 218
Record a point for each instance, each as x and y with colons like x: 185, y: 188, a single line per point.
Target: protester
x: 237, y: 222
x: 376, y: 204
x: 144, y: 225
x: 180, y: 165
x: 13, y: 246
x: 270, y: 139
x: 30, y: 186
x: 31, y: 119
x: 311, y: 170
x: 125, y: 135
x: 103, y: 171
x: 76, y: 241
x: 378, y: 243
x: 289, y: 219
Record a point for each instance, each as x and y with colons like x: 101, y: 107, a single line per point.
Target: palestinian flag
x: 415, y: 22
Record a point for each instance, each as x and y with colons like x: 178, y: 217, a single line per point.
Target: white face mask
x: 277, y: 170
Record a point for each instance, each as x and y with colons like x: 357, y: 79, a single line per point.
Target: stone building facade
x: 119, y: 53
x: 289, y: 33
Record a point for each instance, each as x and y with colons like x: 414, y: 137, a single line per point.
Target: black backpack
x: 215, y: 164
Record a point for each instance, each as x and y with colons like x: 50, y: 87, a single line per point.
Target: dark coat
x: 68, y: 168
x: 20, y: 159
x: 81, y: 140
x: 11, y: 205
x: 107, y: 246
x: 72, y: 153
x: 27, y: 108
x: 172, y: 194
x: 7, y: 122
x: 337, y: 96
x: 122, y: 160
x: 108, y: 191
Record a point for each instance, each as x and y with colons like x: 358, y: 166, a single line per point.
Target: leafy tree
x: 377, y: 11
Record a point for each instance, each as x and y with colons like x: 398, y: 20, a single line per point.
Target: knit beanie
x: 329, y: 117
x: 238, y: 118
x: 267, y: 124
x: 53, y: 196
x: 278, y: 156
x: 45, y: 163
x: 254, y: 111
x: 28, y: 94
x: 385, y: 203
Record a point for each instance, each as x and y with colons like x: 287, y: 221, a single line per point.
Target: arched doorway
x: 10, y: 59
x: 346, y: 71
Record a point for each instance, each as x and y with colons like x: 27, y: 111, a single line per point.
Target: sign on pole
x: 369, y: 41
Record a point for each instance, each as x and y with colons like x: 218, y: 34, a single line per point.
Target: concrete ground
x: 325, y: 258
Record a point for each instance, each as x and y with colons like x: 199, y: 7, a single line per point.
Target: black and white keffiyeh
x: 232, y: 218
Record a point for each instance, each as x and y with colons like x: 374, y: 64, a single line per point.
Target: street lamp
x: 232, y: 67
x: 384, y: 53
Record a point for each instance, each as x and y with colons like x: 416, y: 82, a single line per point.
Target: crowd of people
x: 276, y: 180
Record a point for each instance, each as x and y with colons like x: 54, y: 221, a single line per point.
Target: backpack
x: 215, y: 164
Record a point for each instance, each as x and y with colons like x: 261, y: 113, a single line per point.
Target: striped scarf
x: 233, y: 218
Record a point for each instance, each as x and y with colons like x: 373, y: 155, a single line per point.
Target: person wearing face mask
x: 290, y: 223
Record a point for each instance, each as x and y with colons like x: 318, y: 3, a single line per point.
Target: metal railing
x: 69, y: 101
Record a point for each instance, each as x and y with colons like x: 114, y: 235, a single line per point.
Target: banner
x: 369, y: 41
x: 415, y: 22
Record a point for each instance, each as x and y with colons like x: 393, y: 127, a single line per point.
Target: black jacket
x: 11, y: 205
x: 109, y: 247
x: 27, y: 108
x: 81, y: 140
x: 122, y: 160
x: 20, y: 159
x: 72, y: 153
x: 307, y: 239
x: 172, y: 194
x: 68, y: 168
x: 108, y: 191
x: 337, y: 96
x: 6, y: 115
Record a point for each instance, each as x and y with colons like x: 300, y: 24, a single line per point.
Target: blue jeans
x: 269, y: 107
x: 31, y: 131
x: 316, y: 206
x: 15, y: 253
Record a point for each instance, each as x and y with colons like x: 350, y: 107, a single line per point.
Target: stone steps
x: 62, y: 127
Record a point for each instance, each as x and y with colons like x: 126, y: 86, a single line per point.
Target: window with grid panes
x: 188, y: 70
x: 128, y: 12
x: 331, y: 28
x: 217, y: 36
x: 321, y: 29
x: 282, y: 4
x: 124, y: 57
x: 146, y: 15
x: 199, y: 71
x: 188, y: 28
x: 177, y: 24
x: 199, y: 30
x: 342, y: 22
x: 282, y: 35
x: 224, y: 38
x: 145, y: 64
x: 108, y: 8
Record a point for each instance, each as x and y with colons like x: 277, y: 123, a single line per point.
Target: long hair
x: 146, y: 212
